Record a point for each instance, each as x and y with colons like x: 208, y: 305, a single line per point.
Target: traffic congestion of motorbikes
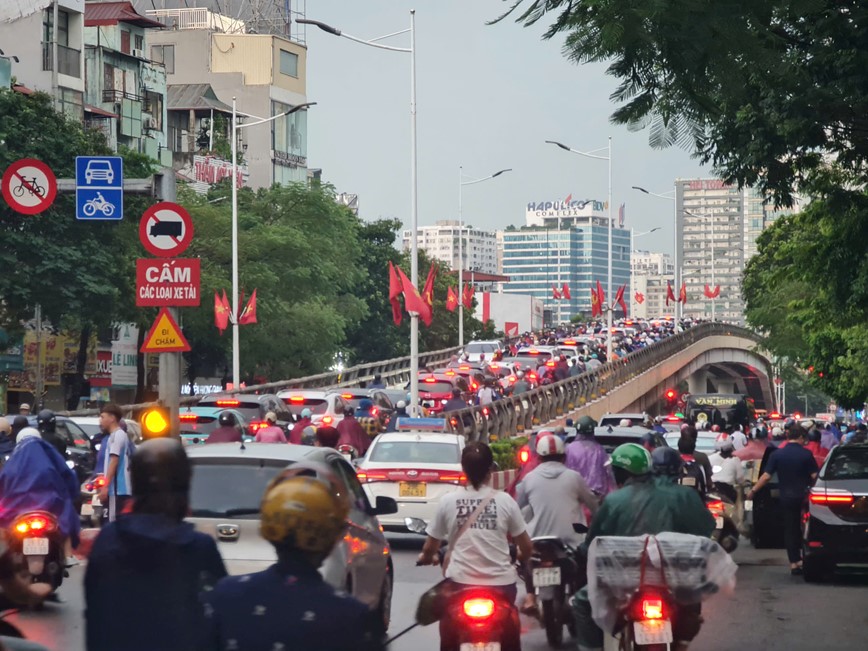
x: 617, y: 529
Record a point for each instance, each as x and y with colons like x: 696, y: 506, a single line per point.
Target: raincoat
x: 588, y: 458
x: 36, y: 478
x: 298, y: 428
x: 352, y: 433
x: 819, y: 452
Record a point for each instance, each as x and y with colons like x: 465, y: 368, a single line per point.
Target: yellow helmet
x: 304, y: 508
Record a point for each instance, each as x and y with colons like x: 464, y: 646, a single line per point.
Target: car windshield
x: 435, y: 387
x: 534, y: 358
x: 847, y: 463
x: 414, y: 452
x: 297, y: 404
x: 230, y: 488
x: 475, y: 349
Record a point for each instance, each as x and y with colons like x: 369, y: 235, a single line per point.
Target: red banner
x: 169, y: 282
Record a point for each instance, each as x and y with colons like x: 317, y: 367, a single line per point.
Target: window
x: 139, y: 42
x: 164, y: 54
x: 288, y: 63
x: 62, y: 27
x: 125, y: 41
x: 247, y: 477
x: 411, y: 452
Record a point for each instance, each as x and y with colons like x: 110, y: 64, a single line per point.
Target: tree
x: 768, y: 92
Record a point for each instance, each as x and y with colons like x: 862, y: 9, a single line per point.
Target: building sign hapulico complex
x: 567, y: 207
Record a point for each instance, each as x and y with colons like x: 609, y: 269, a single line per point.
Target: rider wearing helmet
x: 228, y: 432
x: 588, y: 458
x: 641, y: 506
x: 352, y: 433
x: 289, y: 605
x: 46, y: 423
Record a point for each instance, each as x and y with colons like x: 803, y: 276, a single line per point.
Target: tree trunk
x: 141, y: 371
x: 77, y: 383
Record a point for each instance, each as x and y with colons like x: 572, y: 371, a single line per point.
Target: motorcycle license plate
x: 36, y: 546
x: 718, y: 522
x: 748, y: 505
x: 653, y: 631
x: 546, y: 576
x: 412, y: 489
x: 480, y: 646
x: 87, y: 508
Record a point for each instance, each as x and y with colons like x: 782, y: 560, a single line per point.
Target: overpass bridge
x: 709, y: 357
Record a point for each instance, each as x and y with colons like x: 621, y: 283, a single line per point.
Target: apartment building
x: 441, y: 241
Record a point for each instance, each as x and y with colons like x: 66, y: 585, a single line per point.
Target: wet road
x: 771, y: 610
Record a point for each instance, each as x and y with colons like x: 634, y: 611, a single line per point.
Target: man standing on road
x: 796, y: 470
x: 117, y: 488
x: 271, y: 433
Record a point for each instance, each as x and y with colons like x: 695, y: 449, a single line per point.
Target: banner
x: 125, y: 355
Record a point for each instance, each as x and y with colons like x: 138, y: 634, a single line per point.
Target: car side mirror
x: 385, y: 506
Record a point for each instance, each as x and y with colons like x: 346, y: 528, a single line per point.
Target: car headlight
x: 70, y: 464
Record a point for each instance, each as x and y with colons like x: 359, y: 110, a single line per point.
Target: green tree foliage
x: 760, y: 89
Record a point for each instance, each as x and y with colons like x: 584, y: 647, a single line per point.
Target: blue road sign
x: 99, y: 187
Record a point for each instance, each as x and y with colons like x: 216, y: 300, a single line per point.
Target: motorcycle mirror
x: 580, y: 528
x: 415, y: 525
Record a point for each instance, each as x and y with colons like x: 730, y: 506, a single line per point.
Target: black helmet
x: 45, y: 421
x: 814, y: 435
x: 18, y: 424
x: 161, y: 473
x: 666, y: 461
x: 227, y: 419
x: 586, y: 425
x: 349, y: 410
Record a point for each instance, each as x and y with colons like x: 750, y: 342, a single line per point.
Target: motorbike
x: 348, y: 451
x: 645, y: 622
x: 557, y: 574
x: 725, y: 531
x: 36, y: 536
x: 471, y: 618
x: 92, y: 510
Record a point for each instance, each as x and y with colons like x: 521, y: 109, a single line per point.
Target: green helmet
x: 632, y: 457
x: 586, y: 425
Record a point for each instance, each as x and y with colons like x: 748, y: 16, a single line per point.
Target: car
x: 228, y: 483
x: 435, y: 389
x: 326, y: 408
x: 611, y: 437
x: 836, y: 530
x: 469, y: 377
x: 80, y: 455
x: 382, y: 407
x: 90, y: 424
x: 98, y: 169
x: 705, y: 441
x: 531, y: 358
x: 476, y: 349
x: 254, y: 407
x: 197, y: 423
x: 635, y: 418
x: 415, y: 468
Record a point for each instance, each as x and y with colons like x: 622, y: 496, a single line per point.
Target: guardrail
x: 508, y: 416
x: 392, y: 371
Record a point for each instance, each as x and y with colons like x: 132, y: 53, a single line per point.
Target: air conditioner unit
x: 150, y: 123
x: 138, y: 53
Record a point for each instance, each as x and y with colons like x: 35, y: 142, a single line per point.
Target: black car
x: 836, y: 529
x: 79, y: 451
x: 254, y: 407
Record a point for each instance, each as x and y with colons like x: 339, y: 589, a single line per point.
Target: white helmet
x: 549, y: 445
x: 625, y: 422
x: 28, y: 433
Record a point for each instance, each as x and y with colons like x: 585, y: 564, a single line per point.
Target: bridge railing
x: 508, y: 416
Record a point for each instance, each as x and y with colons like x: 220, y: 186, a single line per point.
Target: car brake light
x: 524, y: 455
x: 228, y: 403
x: 369, y: 476
x: 830, y: 496
x: 327, y: 420
x: 479, y: 608
x: 374, y: 411
x: 296, y: 398
x: 452, y: 478
x: 430, y: 380
x: 463, y: 368
x: 257, y: 425
x: 188, y: 417
x: 450, y: 373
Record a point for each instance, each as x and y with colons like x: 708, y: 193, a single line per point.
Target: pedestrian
x: 24, y: 409
x: 271, y: 433
x: 146, y: 570
x: 289, y: 605
x: 117, y: 489
x: 796, y: 469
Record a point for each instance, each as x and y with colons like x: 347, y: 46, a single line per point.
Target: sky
x: 488, y: 98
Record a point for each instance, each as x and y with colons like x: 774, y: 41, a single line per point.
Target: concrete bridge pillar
x: 725, y: 385
x: 697, y: 382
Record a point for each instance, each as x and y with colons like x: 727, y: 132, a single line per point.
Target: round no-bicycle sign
x: 29, y: 186
x: 166, y: 229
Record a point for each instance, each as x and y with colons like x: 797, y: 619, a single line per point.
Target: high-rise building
x: 759, y: 214
x: 565, y: 242
x: 650, y: 274
x: 440, y: 241
x: 648, y: 263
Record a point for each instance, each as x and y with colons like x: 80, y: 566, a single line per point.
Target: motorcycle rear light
x: 479, y: 608
x: 257, y: 425
x: 815, y: 544
x: 830, y: 497
x: 34, y: 524
x: 374, y: 412
x: 652, y: 608
x: 649, y: 605
x: 524, y: 455
x: 715, y: 506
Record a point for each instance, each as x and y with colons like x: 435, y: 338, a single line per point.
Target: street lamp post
x: 414, y: 204
x: 610, y: 305
x: 236, y: 352
x: 461, y: 184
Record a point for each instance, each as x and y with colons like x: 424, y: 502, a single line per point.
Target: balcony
x: 68, y: 59
x: 112, y: 95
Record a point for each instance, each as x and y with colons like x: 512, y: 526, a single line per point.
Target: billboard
x: 538, y: 211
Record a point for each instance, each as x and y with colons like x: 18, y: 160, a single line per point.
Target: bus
x: 721, y: 409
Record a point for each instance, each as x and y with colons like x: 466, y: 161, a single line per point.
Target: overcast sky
x: 488, y: 98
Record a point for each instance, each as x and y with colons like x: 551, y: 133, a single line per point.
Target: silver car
x: 228, y: 483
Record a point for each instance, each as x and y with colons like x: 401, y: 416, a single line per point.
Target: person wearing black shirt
x: 796, y: 469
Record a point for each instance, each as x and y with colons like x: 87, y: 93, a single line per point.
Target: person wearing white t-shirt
x: 480, y: 555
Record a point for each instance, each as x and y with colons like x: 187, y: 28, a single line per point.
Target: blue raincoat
x: 36, y: 478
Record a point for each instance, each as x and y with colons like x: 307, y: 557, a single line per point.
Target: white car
x: 415, y: 469
x: 325, y: 408
x: 475, y: 350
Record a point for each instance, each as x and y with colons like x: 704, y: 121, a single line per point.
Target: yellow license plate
x: 412, y: 489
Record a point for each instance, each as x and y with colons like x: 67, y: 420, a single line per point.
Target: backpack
x: 692, y: 474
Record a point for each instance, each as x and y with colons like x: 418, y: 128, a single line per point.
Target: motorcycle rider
x: 271, y: 433
x: 521, y: 385
x: 305, y: 420
x: 289, y: 605
x: 18, y: 424
x: 7, y: 442
x: 455, y: 402
x: 400, y: 412
x: 640, y: 506
x: 476, y: 521
x: 16, y: 586
x: 728, y: 471
x: 588, y: 458
x: 756, y: 447
x: 555, y: 495
x: 352, y: 433
x: 228, y: 431
x: 46, y: 423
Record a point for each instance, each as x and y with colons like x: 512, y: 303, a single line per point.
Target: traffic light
x: 671, y: 395
x: 155, y: 422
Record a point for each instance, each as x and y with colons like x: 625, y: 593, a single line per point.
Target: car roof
x: 241, y: 397
x: 414, y: 437
x: 265, y: 451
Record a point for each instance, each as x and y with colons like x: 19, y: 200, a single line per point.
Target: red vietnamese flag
x: 428, y: 289
x: 601, y: 297
x: 555, y: 293
x: 712, y: 293
x: 670, y: 295
x: 682, y: 293
x: 394, y: 293
x: 640, y: 297
x: 248, y: 314
x: 595, y: 303
x: 221, y: 312
x: 566, y: 292
x: 619, y: 298
x: 467, y: 296
x: 451, y: 299
x: 413, y: 301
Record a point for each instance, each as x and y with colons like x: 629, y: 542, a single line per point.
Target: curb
x: 503, y: 478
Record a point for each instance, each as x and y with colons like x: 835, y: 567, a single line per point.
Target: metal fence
x: 509, y: 416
